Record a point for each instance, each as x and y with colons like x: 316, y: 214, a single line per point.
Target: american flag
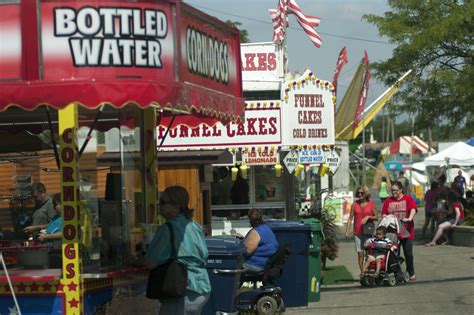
x: 280, y: 21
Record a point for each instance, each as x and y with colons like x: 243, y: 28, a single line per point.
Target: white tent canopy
x: 459, y: 154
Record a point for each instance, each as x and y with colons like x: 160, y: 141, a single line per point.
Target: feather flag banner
x: 280, y: 21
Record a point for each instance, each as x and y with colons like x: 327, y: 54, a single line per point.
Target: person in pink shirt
x: 362, y: 210
x: 404, y: 208
x: 454, y: 217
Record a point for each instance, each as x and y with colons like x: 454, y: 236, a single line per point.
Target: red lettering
x: 173, y: 132
x: 69, y: 251
x: 205, y: 131
x: 249, y: 63
x: 67, y: 135
x: 273, y: 128
x: 184, y: 132
x: 161, y: 132
x: 240, y: 130
x: 194, y: 132
x: 262, y: 121
x: 230, y: 132
x: 67, y: 174
x: 68, y: 193
x: 271, y: 61
x: 262, y: 61
x: 216, y: 132
x: 251, y: 131
x: 68, y: 212
x: 69, y: 232
x: 70, y: 271
x: 67, y: 155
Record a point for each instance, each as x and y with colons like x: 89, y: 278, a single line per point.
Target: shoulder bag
x: 368, y: 228
x: 169, y: 280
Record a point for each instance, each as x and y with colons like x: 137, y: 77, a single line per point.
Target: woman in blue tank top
x: 260, y: 242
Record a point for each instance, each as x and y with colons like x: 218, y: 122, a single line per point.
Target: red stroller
x: 390, y: 270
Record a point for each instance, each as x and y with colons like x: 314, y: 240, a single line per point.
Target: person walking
x: 362, y: 210
x: 430, y: 207
x: 405, y: 183
x: 383, y: 189
x: 404, y: 208
x: 191, y: 250
x: 460, y: 183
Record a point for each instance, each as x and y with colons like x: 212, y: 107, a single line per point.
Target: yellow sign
x: 70, y: 201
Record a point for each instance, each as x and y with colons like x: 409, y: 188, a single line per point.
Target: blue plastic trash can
x: 224, y: 266
x: 294, y: 279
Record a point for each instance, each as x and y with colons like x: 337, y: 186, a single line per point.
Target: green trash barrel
x: 314, y: 261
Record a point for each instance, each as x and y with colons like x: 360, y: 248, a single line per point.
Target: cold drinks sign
x: 308, y: 111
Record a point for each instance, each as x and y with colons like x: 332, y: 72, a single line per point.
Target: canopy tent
x: 403, y: 144
x: 460, y: 154
x: 470, y: 141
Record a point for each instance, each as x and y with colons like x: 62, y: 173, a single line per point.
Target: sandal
x: 430, y: 244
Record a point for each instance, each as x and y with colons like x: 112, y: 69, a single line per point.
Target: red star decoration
x: 34, y: 287
x: 21, y: 287
x: 72, y: 286
x: 73, y: 303
x: 59, y: 287
x: 47, y: 287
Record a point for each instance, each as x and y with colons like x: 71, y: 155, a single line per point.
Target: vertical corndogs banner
x: 69, y: 160
x: 107, y: 39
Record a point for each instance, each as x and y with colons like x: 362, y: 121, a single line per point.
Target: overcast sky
x: 341, y: 20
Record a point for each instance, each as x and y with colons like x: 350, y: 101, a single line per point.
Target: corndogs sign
x: 71, y: 279
x: 209, y: 54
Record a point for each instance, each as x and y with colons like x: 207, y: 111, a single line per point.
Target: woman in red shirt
x: 404, y: 208
x: 362, y: 210
x: 454, y: 217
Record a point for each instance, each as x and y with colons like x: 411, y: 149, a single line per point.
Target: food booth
x: 84, y: 79
x: 279, y: 137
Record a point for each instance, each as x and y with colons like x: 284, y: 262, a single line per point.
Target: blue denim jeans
x: 407, y: 246
x: 191, y: 304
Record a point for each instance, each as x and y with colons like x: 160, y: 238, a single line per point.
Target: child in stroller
x: 383, y: 264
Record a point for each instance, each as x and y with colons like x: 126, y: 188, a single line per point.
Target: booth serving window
x: 260, y: 189
x: 110, y: 180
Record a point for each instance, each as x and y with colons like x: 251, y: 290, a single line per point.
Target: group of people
x: 444, y: 207
x: 46, y: 224
x: 363, y: 210
x: 260, y: 244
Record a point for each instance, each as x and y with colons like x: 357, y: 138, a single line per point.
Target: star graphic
x: 21, y: 287
x: 72, y: 286
x: 59, y: 287
x: 47, y: 287
x: 73, y: 303
x: 34, y: 287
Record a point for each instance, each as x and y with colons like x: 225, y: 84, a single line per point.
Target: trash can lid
x: 314, y: 223
x: 288, y: 225
x: 228, y: 246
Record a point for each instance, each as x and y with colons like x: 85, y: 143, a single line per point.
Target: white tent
x: 459, y: 154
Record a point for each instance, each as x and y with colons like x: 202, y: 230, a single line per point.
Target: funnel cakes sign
x: 308, y: 111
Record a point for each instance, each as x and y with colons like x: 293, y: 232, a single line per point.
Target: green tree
x: 434, y: 38
x: 244, y: 35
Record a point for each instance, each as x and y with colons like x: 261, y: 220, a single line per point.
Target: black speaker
x: 113, y: 187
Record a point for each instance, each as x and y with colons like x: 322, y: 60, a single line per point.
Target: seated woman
x: 52, y: 230
x: 260, y: 242
x: 454, y: 217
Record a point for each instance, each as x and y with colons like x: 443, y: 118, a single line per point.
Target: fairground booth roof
x: 147, y: 53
